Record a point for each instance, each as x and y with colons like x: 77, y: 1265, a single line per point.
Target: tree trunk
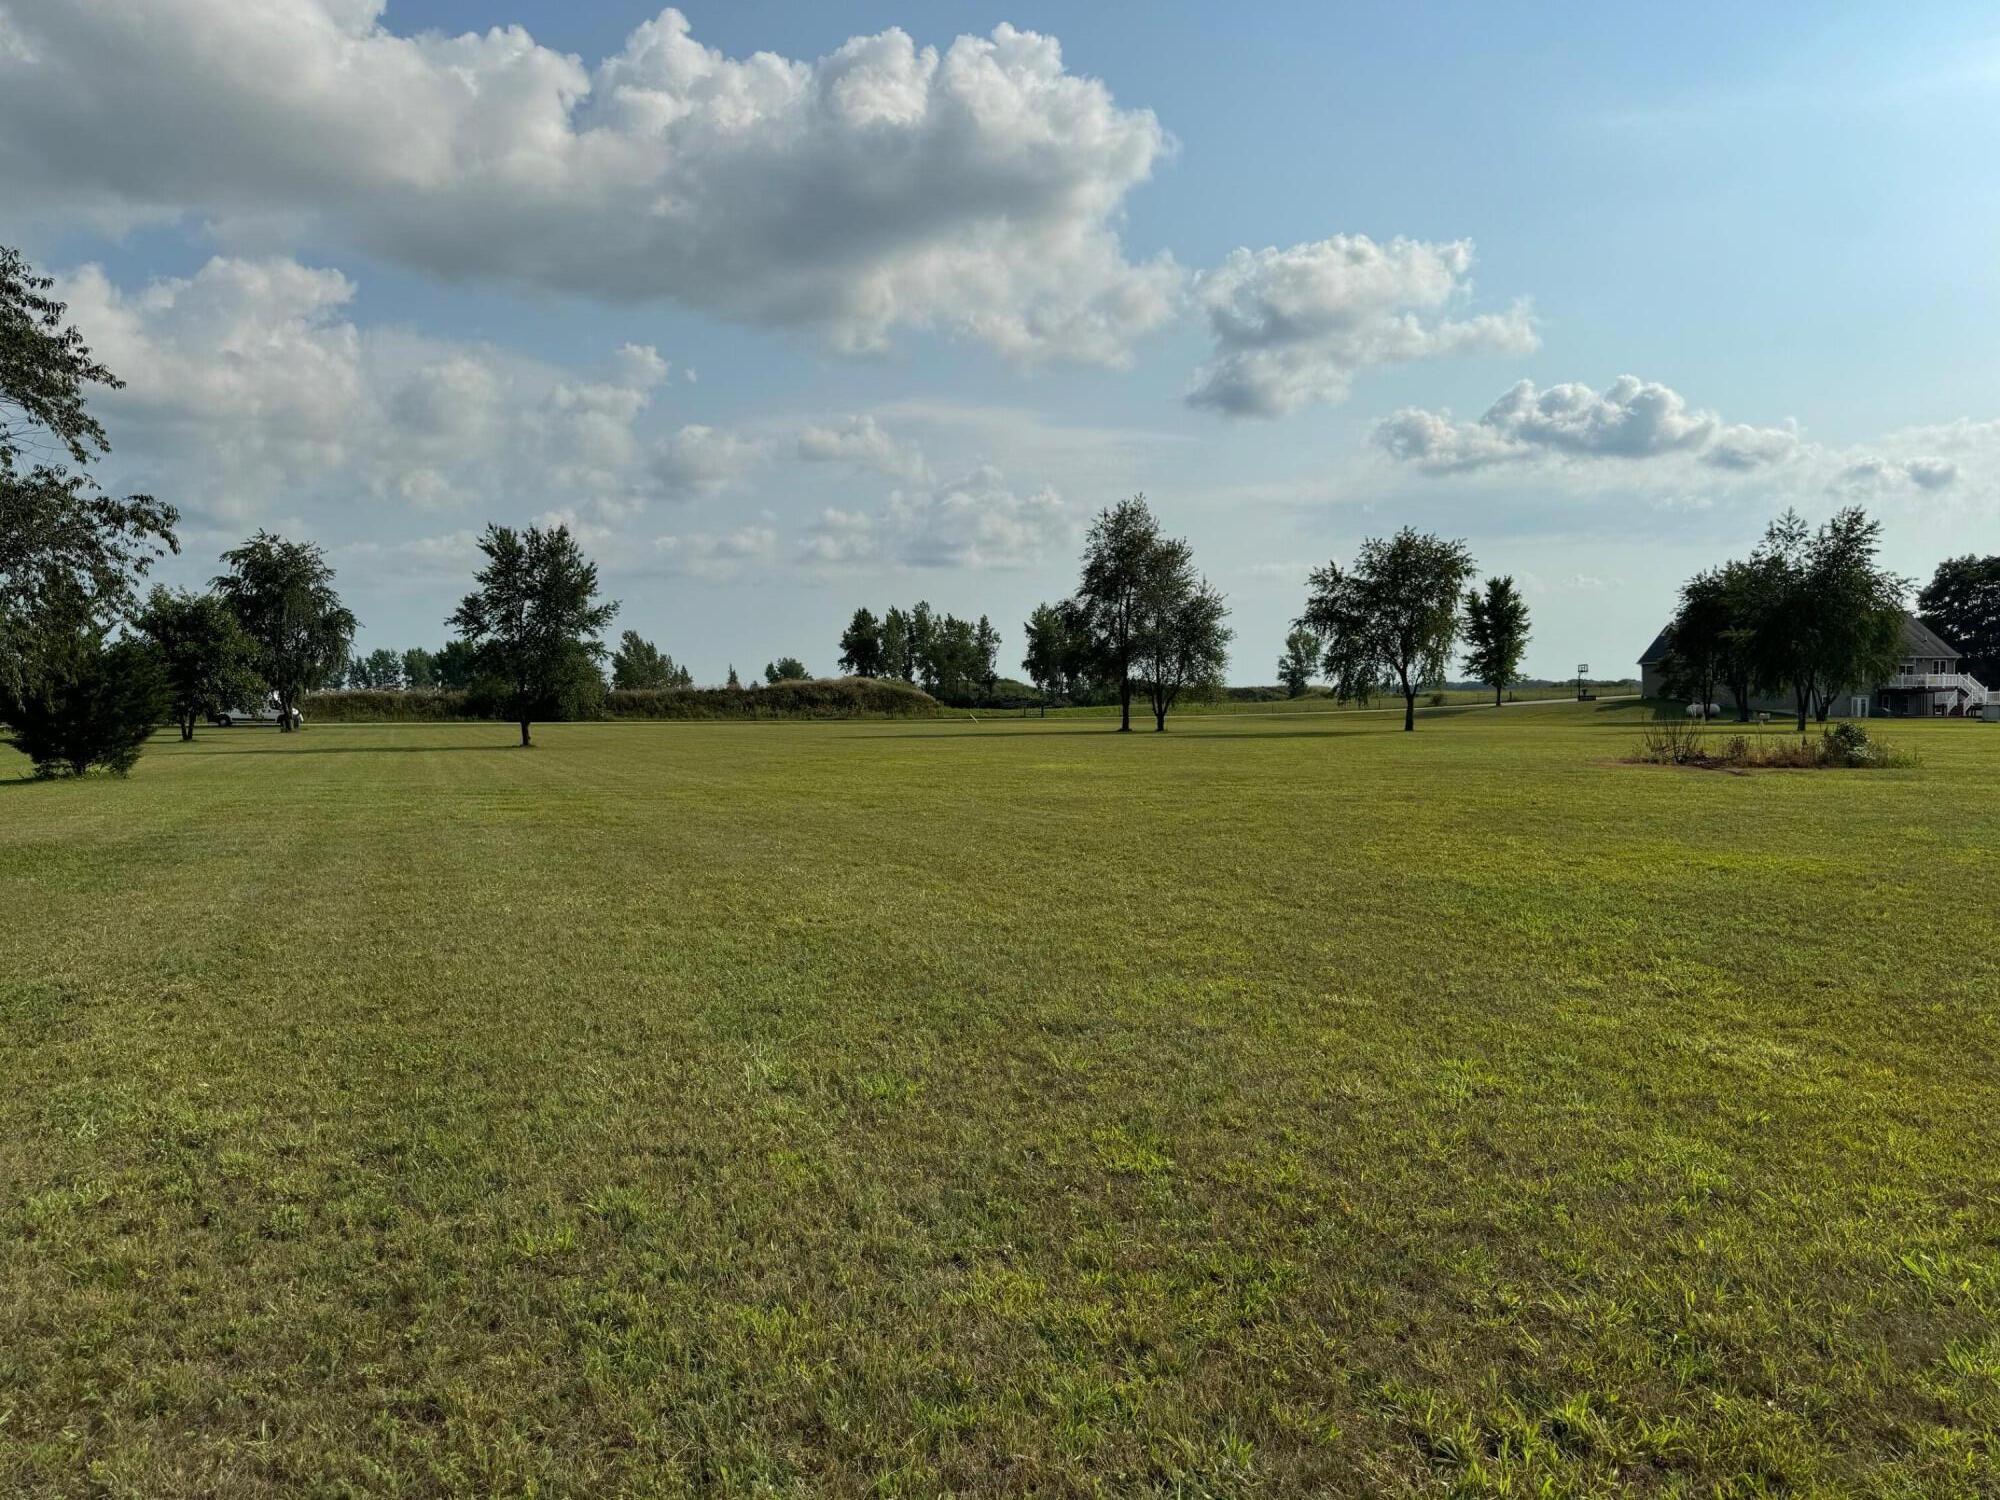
x: 1802, y: 696
x: 1124, y: 705
x: 1159, y: 721
x: 1409, y: 712
x: 1496, y: 695
x: 524, y: 734
x: 187, y: 729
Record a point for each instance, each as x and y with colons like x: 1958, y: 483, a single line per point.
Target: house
x: 1926, y: 684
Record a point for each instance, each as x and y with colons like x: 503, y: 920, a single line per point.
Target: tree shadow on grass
x: 359, y: 749
x: 1319, y: 732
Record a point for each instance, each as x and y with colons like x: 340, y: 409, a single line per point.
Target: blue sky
x: 1288, y: 272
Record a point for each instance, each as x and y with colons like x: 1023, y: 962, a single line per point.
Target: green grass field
x: 1273, y: 1107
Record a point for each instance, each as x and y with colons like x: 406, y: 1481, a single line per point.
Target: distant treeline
x: 810, y: 698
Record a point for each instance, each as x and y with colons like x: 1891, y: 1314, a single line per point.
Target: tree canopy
x: 209, y: 664
x: 638, y: 663
x: 861, y: 652
x: 1962, y: 604
x: 1392, y: 619
x: 1827, y: 616
x: 1122, y: 552
x: 1059, y: 655
x: 1496, y: 634
x: 282, y: 592
x: 534, y: 621
x: 70, y: 556
x: 1182, y: 640
x: 1300, y: 659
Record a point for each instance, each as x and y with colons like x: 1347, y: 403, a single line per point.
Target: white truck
x: 266, y: 712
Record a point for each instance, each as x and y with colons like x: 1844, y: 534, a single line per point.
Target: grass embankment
x: 1263, y: 1108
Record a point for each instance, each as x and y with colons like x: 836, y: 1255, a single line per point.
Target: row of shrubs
x: 810, y: 698
x: 1844, y: 747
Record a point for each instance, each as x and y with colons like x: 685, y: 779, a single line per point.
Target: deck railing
x: 1940, y: 682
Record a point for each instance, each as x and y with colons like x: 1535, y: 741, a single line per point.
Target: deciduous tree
x: 70, y: 556
x: 1829, y: 617
x: 1962, y: 604
x: 535, y: 621
x: 1496, y: 634
x: 1301, y: 658
x: 784, y: 669
x: 638, y: 663
x: 380, y: 670
x: 898, y: 660
x: 419, y: 669
x: 1123, y: 550
x: 208, y: 663
x: 1392, y: 619
x: 861, y: 651
x: 1182, y: 638
x: 283, y: 594
x: 1058, y: 655
x: 457, y: 666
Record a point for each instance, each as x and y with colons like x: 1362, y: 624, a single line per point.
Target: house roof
x: 1918, y: 640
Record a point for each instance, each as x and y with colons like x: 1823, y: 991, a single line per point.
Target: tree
x: 1828, y: 617
x: 785, y: 669
x: 283, y: 594
x: 1181, y: 640
x: 1496, y: 634
x: 1698, y: 637
x: 861, y: 645
x: 921, y: 645
x: 1058, y: 656
x: 1962, y: 604
x: 456, y: 665
x: 95, y: 707
x: 986, y: 641
x: 897, y: 658
x: 534, y: 620
x: 638, y: 663
x: 1392, y: 618
x: 207, y: 662
x: 381, y: 669
x: 735, y: 684
x: 951, y: 663
x: 1124, y: 550
x: 1303, y: 649
x: 70, y: 556
x: 419, y: 670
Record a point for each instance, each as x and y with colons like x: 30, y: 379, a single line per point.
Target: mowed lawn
x: 1287, y: 1107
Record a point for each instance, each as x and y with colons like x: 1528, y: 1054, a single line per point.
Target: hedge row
x: 818, y: 698
x: 812, y: 698
x: 364, y: 706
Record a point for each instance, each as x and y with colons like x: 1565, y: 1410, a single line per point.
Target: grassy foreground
x: 1272, y: 1107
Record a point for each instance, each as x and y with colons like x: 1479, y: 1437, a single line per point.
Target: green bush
x: 811, y: 698
x: 97, y: 710
x: 361, y: 706
x: 802, y: 698
x: 1847, y: 746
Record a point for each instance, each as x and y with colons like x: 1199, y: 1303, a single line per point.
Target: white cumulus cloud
x: 1292, y: 327
x: 862, y: 444
x: 248, y: 387
x: 977, y: 521
x: 882, y: 186
x: 1630, y: 419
